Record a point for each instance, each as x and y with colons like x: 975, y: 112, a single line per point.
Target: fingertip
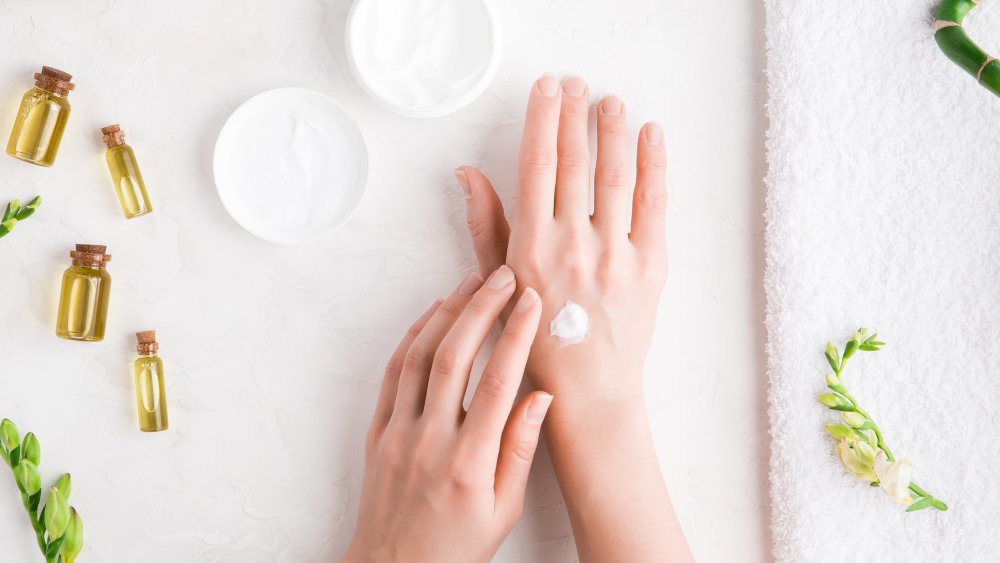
x: 463, y: 180
x: 547, y: 85
x: 611, y: 106
x: 652, y: 134
x: 527, y: 302
x: 538, y: 407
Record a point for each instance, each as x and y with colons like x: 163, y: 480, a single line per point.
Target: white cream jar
x: 423, y: 58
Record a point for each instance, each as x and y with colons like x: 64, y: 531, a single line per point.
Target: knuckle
x: 653, y: 161
x: 393, y: 368
x: 537, y: 159
x: 652, y: 198
x: 479, y: 306
x: 416, y: 361
x: 492, y: 386
x: 523, y: 449
x: 450, y: 307
x: 447, y: 360
x: 613, y: 176
x: 574, y: 158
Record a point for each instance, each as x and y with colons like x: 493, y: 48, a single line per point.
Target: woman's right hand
x: 442, y: 484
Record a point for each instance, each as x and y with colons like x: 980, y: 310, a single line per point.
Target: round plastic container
x: 290, y: 165
x: 423, y: 58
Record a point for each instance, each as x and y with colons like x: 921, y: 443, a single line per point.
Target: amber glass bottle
x: 86, y: 288
x: 125, y: 173
x: 41, y: 118
x: 150, y: 391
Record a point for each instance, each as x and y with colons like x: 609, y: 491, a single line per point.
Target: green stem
x: 880, y: 441
x: 957, y: 46
x: 36, y: 525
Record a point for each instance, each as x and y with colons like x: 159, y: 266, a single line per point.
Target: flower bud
x: 8, y: 434
x: 28, y: 480
x: 835, y: 402
x: 31, y: 449
x: 65, y: 486
x: 840, y: 431
x: 72, y: 537
x: 853, y: 419
x: 56, y: 514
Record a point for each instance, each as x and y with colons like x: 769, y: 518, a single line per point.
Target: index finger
x: 537, y: 162
x: 501, y: 378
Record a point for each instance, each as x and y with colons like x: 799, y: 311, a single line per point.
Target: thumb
x: 517, y: 449
x: 487, y: 224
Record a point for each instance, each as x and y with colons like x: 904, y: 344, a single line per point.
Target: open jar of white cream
x: 423, y: 58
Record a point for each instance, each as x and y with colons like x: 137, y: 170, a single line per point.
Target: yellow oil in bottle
x: 83, y: 300
x: 125, y: 173
x: 41, y: 119
x: 150, y: 391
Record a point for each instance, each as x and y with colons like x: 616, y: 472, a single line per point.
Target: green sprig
x: 14, y: 213
x: 58, y: 527
x: 857, y: 420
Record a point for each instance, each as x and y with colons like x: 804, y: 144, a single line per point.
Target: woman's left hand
x: 443, y: 484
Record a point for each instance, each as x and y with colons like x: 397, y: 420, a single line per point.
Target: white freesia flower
x: 894, y: 477
x: 857, y: 457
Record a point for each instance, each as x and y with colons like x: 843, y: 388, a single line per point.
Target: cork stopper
x: 90, y: 255
x: 113, y: 135
x: 147, y: 342
x: 54, y: 80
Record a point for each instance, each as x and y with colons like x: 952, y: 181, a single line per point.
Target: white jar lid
x: 290, y: 165
x: 423, y: 58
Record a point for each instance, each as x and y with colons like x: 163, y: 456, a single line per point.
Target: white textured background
x: 274, y: 353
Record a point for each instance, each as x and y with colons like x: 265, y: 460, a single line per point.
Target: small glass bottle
x: 41, y: 119
x: 83, y: 302
x: 125, y: 173
x: 150, y: 392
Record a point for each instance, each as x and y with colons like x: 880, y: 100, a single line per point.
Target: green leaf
x: 8, y: 434
x: 7, y: 226
x: 56, y: 513
x: 11, y: 209
x: 72, y: 538
x: 65, y: 485
x: 28, y: 210
x: 31, y: 449
x: 27, y: 477
x: 832, y: 357
x: 938, y: 504
x: 15, y: 456
x: 850, y: 347
x: 919, y: 505
x: 53, y: 549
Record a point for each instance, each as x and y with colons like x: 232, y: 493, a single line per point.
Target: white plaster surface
x: 274, y: 353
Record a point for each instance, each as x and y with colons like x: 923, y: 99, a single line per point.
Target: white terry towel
x: 883, y: 210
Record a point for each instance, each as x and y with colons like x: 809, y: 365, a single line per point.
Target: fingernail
x: 654, y: 133
x: 574, y: 86
x: 463, y: 181
x: 471, y: 284
x: 527, y: 301
x: 611, y: 106
x: 538, y: 407
x: 501, y: 278
x: 548, y: 85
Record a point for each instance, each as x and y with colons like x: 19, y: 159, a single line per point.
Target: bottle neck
x: 90, y: 265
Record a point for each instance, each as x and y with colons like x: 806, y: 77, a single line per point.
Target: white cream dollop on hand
x: 570, y: 324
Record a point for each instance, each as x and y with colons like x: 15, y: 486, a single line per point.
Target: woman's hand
x: 612, y: 268
x: 442, y: 484
x: 598, y: 432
